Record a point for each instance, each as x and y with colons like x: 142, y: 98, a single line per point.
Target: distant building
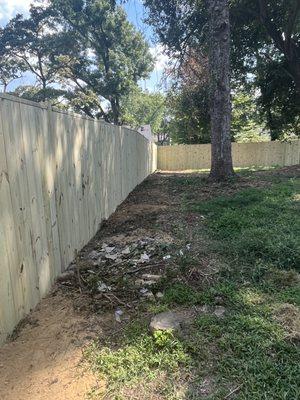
x: 161, y: 139
x: 146, y: 131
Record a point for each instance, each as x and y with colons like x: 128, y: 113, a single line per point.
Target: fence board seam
x: 198, y: 156
x: 63, y: 174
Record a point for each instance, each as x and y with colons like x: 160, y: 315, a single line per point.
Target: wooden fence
x: 195, y: 157
x: 60, y: 175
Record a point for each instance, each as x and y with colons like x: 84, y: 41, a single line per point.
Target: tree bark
x: 115, y: 108
x: 220, y: 103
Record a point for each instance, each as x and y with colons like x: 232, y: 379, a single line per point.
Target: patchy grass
x: 139, y: 357
x: 251, y: 353
x: 257, y: 226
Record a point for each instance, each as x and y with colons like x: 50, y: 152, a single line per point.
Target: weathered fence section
x: 188, y: 157
x: 60, y: 176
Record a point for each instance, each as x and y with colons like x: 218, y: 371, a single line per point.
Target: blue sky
x: 136, y: 14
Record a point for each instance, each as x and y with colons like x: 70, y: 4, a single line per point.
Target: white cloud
x: 9, y: 8
x: 160, y: 57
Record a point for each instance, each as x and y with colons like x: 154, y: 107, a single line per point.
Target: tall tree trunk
x: 115, y: 110
x: 220, y: 104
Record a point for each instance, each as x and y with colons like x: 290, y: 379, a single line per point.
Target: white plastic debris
x: 108, y: 249
x: 167, y: 257
x: 144, y: 257
x: 181, y: 252
x: 126, y: 250
x: 188, y: 246
x: 102, y: 287
x: 149, y: 295
x: 111, y: 256
x: 118, y: 314
x: 150, y: 283
x: 146, y: 293
x: 94, y: 255
x: 151, y: 277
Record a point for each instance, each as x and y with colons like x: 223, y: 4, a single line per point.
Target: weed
x: 139, y: 356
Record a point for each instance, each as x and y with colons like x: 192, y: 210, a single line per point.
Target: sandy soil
x: 42, y: 362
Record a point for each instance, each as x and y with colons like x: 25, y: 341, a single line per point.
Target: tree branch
x: 269, y: 26
x: 292, y: 20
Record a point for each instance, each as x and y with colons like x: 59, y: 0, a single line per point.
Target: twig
x: 133, y: 271
x: 232, y: 392
x: 81, y: 285
x: 107, y: 296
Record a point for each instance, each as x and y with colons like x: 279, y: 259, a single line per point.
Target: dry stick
x: 133, y: 271
x: 232, y: 392
x: 107, y: 296
x: 81, y: 285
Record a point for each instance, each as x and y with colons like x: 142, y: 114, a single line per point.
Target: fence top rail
x: 272, y: 142
x: 17, y: 99
x: 48, y: 106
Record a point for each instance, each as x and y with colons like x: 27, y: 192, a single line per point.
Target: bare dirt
x: 43, y: 359
x: 42, y: 362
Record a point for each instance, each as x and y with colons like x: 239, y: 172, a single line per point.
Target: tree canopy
x: 144, y: 108
x: 265, y: 50
x: 84, y: 53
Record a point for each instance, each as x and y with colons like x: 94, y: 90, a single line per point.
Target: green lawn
x: 253, y: 352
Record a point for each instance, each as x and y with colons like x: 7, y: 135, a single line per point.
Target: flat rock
x: 165, y: 321
x: 219, y: 311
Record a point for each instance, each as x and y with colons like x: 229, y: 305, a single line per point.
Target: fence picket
x: 60, y: 175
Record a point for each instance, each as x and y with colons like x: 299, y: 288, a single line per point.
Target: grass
x: 140, y: 357
x: 257, y: 226
x: 253, y: 352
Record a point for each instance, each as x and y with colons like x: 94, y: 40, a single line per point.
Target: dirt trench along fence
x: 60, y: 175
x: 263, y: 154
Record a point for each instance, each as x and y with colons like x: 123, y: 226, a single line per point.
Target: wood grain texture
x: 61, y: 174
x: 198, y: 156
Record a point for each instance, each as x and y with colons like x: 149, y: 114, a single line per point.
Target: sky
x: 136, y: 14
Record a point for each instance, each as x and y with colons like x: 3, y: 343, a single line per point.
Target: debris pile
x: 121, y: 271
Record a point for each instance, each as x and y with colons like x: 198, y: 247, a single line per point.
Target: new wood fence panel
x: 10, y: 283
x: 47, y: 171
x: 60, y: 175
x: 48, y: 160
x: 38, y: 233
x: 198, y: 156
x: 26, y: 266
